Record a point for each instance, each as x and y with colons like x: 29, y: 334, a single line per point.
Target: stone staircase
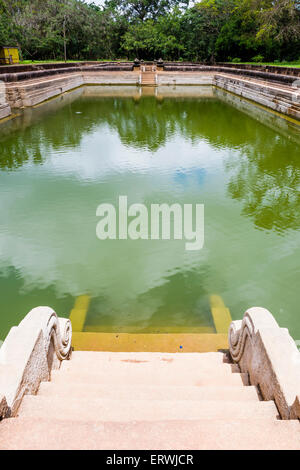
x: 148, y: 75
x: 110, y: 400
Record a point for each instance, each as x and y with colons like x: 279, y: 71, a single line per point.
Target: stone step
x: 114, y: 375
x: 145, y: 369
x: 101, y: 362
x: 233, y: 434
x: 97, y: 362
x: 85, y: 408
x: 141, y: 392
x: 80, y: 357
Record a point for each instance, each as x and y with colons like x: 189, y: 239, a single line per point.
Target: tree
x: 142, y: 10
x: 208, y: 31
x: 238, y: 36
x: 202, y: 25
x: 150, y: 40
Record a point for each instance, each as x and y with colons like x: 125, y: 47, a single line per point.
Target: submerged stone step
x: 60, y: 434
x: 85, y: 408
x: 163, y: 343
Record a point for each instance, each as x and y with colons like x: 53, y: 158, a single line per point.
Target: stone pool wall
x: 27, y: 88
x: 32, y: 92
x: 283, y: 99
x: 5, y: 110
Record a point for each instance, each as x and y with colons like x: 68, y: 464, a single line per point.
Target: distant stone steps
x: 148, y: 76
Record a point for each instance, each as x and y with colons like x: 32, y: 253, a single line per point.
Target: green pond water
x: 58, y: 162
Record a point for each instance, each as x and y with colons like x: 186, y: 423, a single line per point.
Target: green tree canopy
x: 208, y: 30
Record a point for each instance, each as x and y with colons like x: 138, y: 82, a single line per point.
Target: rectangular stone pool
x: 185, y: 145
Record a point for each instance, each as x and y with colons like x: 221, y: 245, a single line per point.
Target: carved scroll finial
x: 39, y: 344
x: 60, y: 331
x: 239, y: 331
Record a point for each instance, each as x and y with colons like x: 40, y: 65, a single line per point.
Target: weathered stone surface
x: 110, y: 78
x: 259, y: 113
x: 30, y: 352
x: 254, y: 74
x: 285, y: 100
x: 32, y: 92
x: 195, y: 91
x: 265, y: 68
x: 295, y: 411
x: 270, y: 357
x: 185, y: 78
x: 5, y: 110
x: 4, y: 106
x: 28, y: 72
x: 3, y: 407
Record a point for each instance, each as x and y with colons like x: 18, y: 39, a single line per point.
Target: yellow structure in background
x: 9, y: 55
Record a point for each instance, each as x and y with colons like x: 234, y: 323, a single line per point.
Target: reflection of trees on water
x: 264, y: 172
x: 144, y: 124
x: 31, y: 143
x: 265, y: 178
x: 149, y: 123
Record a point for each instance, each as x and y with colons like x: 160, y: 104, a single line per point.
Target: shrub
x: 258, y: 58
x: 236, y: 60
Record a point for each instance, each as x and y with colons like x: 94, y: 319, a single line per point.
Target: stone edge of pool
x: 270, y: 90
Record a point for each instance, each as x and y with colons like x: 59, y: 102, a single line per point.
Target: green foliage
x: 258, y: 58
x: 207, y: 31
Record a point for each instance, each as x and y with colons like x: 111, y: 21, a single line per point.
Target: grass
x: 280, y: 64
x: 28, y: 62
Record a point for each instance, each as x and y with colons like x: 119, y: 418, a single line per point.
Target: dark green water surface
x: 58, y: 162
